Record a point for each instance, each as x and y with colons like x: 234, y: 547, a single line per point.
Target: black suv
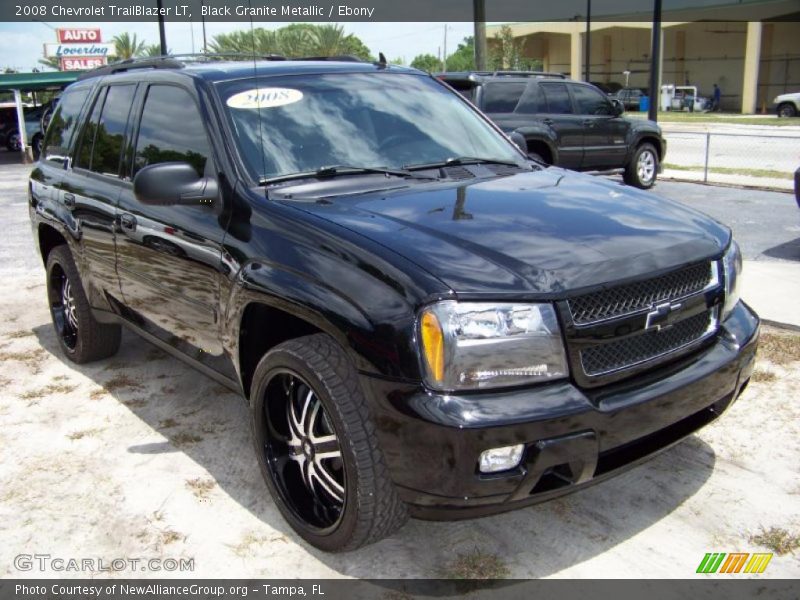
x: 566, y: 123
x: 422, y: 320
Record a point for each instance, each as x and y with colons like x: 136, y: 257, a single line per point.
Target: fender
x: 540, y: 133
x: 367, y: 302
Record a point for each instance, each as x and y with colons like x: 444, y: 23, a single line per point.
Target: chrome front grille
x: 634, y: 350
x: 633, y: 297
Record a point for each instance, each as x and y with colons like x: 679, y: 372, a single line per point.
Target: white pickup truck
x: 787, y: 105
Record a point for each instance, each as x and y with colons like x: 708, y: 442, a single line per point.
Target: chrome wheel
x: 302, y: 451
x: 646, y: 166
x: 62, y: 307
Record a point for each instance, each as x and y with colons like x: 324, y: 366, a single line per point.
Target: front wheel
x: 642, y: 168
x: 787, y: 110
x: 81, y: 337
x: 317, y: 448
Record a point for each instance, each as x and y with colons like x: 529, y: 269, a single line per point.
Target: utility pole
x: 655, y: 62
x: 588, y: 53
x: 161, y: 33
x: 203, y: 19
x: 444, y: 55
x: 479, y: 18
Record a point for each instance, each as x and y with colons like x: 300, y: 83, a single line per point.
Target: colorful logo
x: 734, y: 562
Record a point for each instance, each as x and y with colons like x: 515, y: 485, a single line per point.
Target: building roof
x: 37, y: 81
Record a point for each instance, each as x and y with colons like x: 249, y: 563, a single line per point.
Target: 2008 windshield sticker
x: 264, y: 98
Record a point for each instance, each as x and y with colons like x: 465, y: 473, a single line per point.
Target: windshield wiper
x: 337, y: 170
x: 464, y: 160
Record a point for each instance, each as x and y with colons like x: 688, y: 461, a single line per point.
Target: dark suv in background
x: 423, y: 320
x: 566, y: 123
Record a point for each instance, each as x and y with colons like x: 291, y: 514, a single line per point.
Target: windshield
x: 298, y: 124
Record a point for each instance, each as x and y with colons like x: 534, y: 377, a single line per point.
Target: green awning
x: 37, y: 81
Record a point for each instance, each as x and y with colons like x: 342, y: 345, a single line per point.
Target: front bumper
x: 573, y: 437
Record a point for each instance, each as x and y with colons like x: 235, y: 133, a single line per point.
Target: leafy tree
x: 128, y: 46
x: 463, y: 59
x: 295, y: 40
x: 427, y: 62
x: 506, y: 53
x: 153, y: 50
x: 51, y: 62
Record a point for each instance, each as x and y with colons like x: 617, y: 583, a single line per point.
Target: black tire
x: 369, y: 508
x: 81, y: 337
x: 787, y: 109
x: 642, y: 169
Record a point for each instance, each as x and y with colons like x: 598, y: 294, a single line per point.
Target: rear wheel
x: 81, y: 337
x: 787, y: 109
x: 642, y: 169
x: 317, y: 448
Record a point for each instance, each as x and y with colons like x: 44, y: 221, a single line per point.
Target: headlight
x: 732, y: 268
x: 469, y: 345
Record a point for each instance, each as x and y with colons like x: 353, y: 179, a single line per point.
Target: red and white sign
x: 83, y: 63
x: 71, y: 35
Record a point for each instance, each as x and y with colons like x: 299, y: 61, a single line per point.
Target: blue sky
x: 21, y: 43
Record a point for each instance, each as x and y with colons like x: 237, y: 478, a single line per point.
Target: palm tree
x: 128, y: 46
x: 51, y: 62
x: 295, y: 40
x: 153, y: 50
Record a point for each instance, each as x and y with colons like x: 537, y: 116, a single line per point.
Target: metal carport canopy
x: 29, y: 82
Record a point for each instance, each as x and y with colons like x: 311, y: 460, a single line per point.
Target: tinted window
x: 111, y: 130
x: 556, y: 99
x: 63, y: 122
x: 465, y: 88
x: 171, y: 130
x: 531, y: 101
x: 591, y: 101
x: 502, y: 97
x: 84, y: 157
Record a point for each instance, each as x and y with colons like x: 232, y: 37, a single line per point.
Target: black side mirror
x: 174, y: 183
x: 519, y: 141
x: 619, y: 107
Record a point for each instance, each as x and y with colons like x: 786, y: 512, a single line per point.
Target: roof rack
x: 520, y: 74
x: 170, y: 61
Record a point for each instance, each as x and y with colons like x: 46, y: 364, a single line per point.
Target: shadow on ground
x: 211, y: 426
x: 786, y: 251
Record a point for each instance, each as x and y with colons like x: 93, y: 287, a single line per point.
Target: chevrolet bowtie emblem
x: 661, y: 317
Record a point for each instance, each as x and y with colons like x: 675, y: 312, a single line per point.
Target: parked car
x: 566, y: 123
x: 422, y: 320
x: 609, y: 88
x: 631, y: 97
x: 787, y: 105
x: 9, y: 129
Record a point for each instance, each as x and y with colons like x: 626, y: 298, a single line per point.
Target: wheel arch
x: 49, y: 238
x: 654, y: 141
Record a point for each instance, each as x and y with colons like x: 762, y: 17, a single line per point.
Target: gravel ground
x: 140, y: 457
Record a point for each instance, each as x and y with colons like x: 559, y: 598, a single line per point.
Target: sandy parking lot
x: 140, y: 457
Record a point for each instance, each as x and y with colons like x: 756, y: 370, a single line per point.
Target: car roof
x: 223, y: 70
x: 484, y: 76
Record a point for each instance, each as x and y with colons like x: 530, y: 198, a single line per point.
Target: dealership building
x: 751, y: 61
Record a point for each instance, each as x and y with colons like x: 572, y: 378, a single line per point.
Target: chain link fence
x: 767, y: 160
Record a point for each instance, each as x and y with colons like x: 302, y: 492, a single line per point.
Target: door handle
x: 69, y: 200
x: 128, y: 222
x: 588, y: 123
x: 547, y: 121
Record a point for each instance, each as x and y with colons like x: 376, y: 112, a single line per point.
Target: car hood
x: 538, y: 233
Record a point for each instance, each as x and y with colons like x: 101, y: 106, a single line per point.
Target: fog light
x: 501, y: 459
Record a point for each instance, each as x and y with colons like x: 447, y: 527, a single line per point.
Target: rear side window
x: 502, y: 97
x: 531, y: 102
x: 171, y: 130
x: 590, y: 101
x: 556, y: 99
x: 465, y: 88
x: 106, y: 127
x: 63, y: 123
